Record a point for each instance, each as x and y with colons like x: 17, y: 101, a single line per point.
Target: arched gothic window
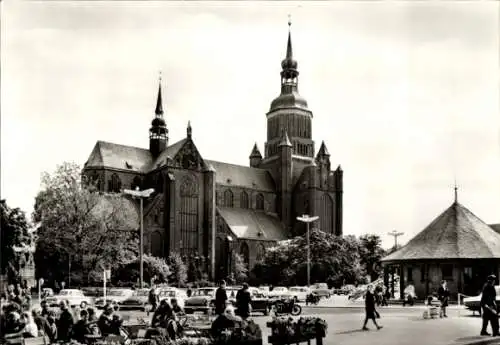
x: 136, y: 182
x: 228, y: 198
x: 261, y: 252
x: 115, y: 184
x: 188, y: 215
x: 245, y: 253
x: 244, y: 200
x: 259, y: 202
x: 327, y: 213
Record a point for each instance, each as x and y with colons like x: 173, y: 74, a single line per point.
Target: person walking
x: 489, y: 307
x: 370, y: 311
x: 244, y: 302
x: 220, y: 298
x: 443, y: 296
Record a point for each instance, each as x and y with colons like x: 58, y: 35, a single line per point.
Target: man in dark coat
x: 220, y: 298
x: 371, y: 312
x: 65, y: 323
x: 243, y: 302
x: 443, y: 296
x: 489, y: 307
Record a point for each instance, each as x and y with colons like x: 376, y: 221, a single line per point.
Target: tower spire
x: 159, y: 101
x: 289, y: 50
x: 456, y: 191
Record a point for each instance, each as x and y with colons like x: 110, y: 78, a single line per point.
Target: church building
x: 211, y: 210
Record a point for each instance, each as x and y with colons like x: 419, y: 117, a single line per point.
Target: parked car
x: 201, y: 300
x: 139, y: 300
x: 472, y: 303
x: 321, y: 290
x: 75, y: 298
x: 299, y: 293
x: 264, y: 289
x: 279, y: 292
x: 171, y: 292
x: 114, y: 297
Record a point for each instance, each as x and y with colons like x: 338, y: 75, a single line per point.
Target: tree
x: 80, y: 229
x: 371, y: 252
x: 154, y: 268
x: 240, y: 269
x: 178, y: 270
x: 334, y: 259
x: 14, y: 233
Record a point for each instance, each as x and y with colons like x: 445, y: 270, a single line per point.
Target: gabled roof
x: 171, y: 151
x: 455, y: 234
x: 117, y: 156
x: 248, y: 224
x: 241, y: 176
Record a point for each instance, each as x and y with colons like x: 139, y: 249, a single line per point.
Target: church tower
x: 158, y: 133
x: 289, y: 112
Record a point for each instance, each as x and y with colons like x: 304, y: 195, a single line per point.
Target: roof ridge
x: 235, y: 165
x: 108, y: 142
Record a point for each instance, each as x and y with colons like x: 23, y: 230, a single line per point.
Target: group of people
x: 227, y: 316
x: 57, y: 324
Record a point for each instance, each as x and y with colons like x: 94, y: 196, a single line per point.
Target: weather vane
x: 289, y: 20
x: 160, y: 76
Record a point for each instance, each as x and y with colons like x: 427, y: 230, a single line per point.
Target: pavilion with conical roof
x: 457, y: 247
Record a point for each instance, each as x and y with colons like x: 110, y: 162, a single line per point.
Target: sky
x: 404, y: 94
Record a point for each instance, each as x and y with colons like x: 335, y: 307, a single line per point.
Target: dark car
x: 138, y: 301
x: 260, y: 302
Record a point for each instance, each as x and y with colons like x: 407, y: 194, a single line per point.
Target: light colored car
x: 202, y: 300
x: 473, y: 303
x: 299, y: 293
x: 114, y: 297
x: 321, y: 289
x: 264, y: 290
x: 279, y: 292
x: 138, y: 301
x: 75, y: 298
x: 167, y: 293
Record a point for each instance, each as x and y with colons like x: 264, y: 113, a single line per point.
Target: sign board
x: 41, y: 281
x: 108, y: 274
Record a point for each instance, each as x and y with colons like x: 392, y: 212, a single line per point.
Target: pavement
x: 403, y: 326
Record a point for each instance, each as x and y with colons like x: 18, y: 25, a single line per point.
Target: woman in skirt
x: 370, y: 311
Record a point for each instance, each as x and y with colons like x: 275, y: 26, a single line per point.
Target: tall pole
x: 307, y: 219
x: 141, y: 249
x: 141, y: 195
x: 308, y: 258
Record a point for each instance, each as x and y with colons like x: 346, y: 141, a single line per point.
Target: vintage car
x: 114, y: 297
x: 139, y: 300
x: 260, y: 302
x: 321, y: 289
x: 299, y: 293
x: 167, y: 293
x: 202, y: 300
x: 73, y: 296
x: 472, y: 303
x: 279, y: 292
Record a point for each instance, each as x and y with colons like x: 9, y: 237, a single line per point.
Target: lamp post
x: 307, y: 219
x: 141, y: 194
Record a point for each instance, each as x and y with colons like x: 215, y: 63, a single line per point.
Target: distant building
x: 457, y: 247
x: 210, y: 209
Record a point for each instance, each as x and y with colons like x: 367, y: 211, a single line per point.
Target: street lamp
x: 141, y: 194
x: 306, y: 219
